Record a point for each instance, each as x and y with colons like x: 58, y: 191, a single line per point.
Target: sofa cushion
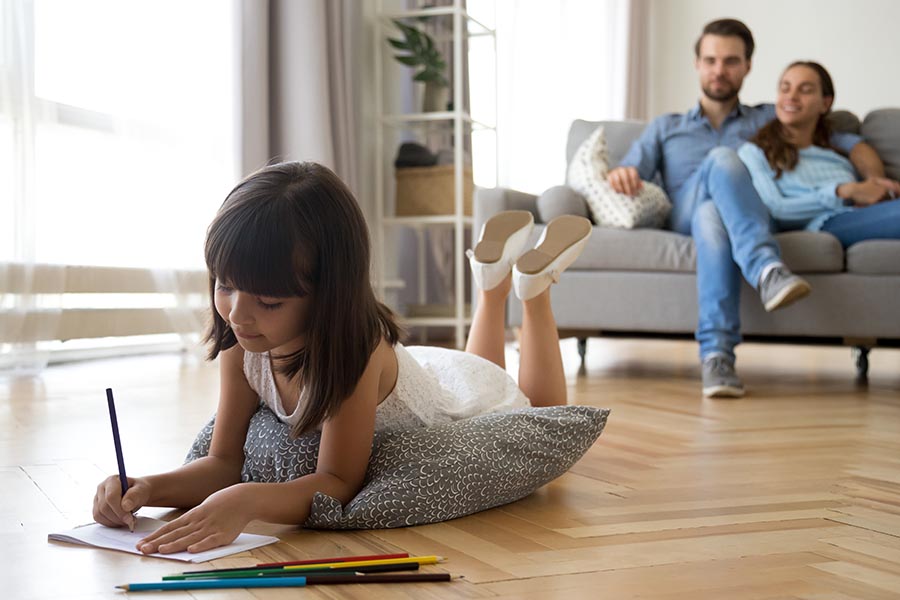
x: 637, y: 250
x: 881, y: 129
x: 874, y: 257
x: 654, y: 250
x: 844, y: 121
x: 811, y: 251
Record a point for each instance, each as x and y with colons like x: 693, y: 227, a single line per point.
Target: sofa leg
x: 582, y: 348
x: 861, y: 356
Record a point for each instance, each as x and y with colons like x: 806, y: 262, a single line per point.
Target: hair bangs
x: 258, y: 253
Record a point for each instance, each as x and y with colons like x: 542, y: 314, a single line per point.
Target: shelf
x: 430, y: 117
x: 436, y: 311
x: 432, y: 220
x: 433, y: 321
x: 450, y: 26
x: 393, y: 284
x: 436, y: 314
x: 442, y: 11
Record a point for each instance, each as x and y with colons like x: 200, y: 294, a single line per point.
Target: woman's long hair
x: 294, y: 229
x: 771, y: 138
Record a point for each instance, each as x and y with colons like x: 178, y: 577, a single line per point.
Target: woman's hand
x: 215, y: 522
x: 114, y: 510
x: 865, y: 193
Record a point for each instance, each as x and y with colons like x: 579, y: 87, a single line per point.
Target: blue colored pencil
x: 209, y: 584
x: 118, y: 442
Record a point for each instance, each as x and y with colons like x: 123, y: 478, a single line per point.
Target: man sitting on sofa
x: 713, y: 198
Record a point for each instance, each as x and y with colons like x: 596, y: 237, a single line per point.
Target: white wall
x: 857, y: 41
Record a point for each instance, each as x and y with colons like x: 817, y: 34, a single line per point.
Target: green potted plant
x: 417, y: 49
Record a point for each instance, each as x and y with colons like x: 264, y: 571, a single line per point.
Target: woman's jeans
x: 876, y: 222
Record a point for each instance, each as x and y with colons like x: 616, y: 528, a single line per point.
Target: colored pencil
x: 311, y: 561
x: 316, y: 561
x: 410, y: 566
x: 120, y: 459
x: 422, y: 560
x: 208, y: 584
x: 299, y: 570
x: 321, y: 579
x: 123, y: 479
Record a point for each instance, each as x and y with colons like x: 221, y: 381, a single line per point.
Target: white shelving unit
x: 462, y: 125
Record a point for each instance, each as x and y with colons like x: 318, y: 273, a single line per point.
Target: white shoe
x: 561, y: 243
x: 502, y: 239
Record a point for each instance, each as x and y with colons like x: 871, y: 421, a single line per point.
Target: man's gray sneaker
x: 780, y: 287
x: 719, y: 378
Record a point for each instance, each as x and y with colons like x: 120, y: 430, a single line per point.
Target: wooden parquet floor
x: 791, y: 492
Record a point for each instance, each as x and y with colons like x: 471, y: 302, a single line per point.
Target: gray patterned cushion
x: 432, y: 474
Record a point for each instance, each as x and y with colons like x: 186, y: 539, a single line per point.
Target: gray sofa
x: 642, y: 282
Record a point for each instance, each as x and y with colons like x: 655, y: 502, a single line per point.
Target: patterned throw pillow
x: 431, y: 474
x: 587, y: 176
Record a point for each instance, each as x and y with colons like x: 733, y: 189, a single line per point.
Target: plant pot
x: 435, y: 98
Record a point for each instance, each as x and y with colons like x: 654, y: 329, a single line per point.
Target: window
x: 122, y: 144
x: 118, y: 143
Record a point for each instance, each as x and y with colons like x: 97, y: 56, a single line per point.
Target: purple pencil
x: 115, y: 430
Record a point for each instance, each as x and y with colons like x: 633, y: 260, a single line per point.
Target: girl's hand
x: 114, y: 510
x: 215, y: 522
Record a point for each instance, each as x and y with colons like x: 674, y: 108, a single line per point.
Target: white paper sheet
x: 120, y: 538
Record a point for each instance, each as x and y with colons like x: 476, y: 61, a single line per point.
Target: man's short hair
x: 728, y: 27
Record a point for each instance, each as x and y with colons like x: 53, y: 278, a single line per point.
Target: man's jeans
x: 720, y: 208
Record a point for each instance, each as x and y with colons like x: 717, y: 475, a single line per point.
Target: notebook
x: 121, y: 539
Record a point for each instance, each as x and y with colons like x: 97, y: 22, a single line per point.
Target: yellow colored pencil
x: 422, y: 560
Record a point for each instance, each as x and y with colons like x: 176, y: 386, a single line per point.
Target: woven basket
x: 430, y: 191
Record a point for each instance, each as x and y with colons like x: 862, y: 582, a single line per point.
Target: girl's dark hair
x: 294, y: 229
x: 771, y: 138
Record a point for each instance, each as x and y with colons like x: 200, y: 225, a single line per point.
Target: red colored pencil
x: 315, y: 561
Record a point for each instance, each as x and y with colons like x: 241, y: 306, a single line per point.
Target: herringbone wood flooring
x: 792, y: 492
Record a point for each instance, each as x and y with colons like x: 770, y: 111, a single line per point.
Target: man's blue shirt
x: 675, y: 144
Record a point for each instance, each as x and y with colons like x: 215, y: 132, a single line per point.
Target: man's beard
x: 728, y: 93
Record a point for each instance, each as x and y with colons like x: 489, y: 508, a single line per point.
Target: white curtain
x: 19, y: 114
x: 300, y: 61
x: 116, y: 147
x: 557, y: 61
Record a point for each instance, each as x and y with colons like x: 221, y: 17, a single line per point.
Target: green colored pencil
x: 260, y: 582
x: 209, y: 584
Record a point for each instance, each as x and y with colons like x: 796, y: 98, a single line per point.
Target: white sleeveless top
x: 434, y: 385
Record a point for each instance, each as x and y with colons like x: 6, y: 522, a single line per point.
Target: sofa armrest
x: 490, y: 201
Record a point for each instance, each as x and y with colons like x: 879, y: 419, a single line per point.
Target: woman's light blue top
x: 805, y: 197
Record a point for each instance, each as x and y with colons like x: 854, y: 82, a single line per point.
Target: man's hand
x: 892, y: 186
x: 625, y: 180
x: 215, y: 522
